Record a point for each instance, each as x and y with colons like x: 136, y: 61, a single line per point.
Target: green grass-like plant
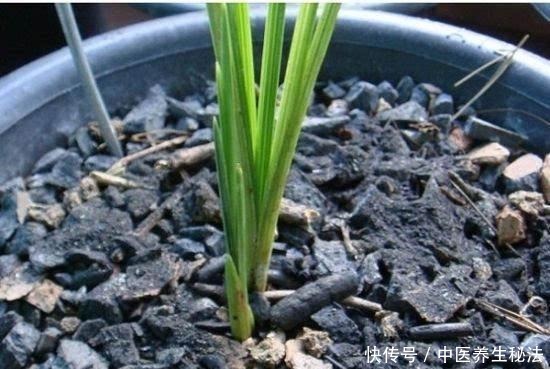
x: 256, y: 134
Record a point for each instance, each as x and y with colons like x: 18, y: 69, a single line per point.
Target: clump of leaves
x: 256, y: 135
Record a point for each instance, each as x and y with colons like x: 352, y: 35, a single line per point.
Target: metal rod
x: 72, y: 35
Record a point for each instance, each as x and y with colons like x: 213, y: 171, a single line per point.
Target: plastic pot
x: 42, y: 103
x: 165, y: 9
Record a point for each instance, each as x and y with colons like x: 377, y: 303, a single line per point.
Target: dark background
x: 29, y: 31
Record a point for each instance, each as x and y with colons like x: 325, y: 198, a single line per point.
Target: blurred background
x: 29, y: 31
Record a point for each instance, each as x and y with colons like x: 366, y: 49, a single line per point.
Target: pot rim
x: 117, y: 50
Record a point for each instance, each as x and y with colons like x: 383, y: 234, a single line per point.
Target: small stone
x: 213, y: 361
x: 316, y: 343
x: 149, y: 114
x: 48, y: 340
x: 114, y: 197
x: 408, y: 112
x: 338, y: 107
x: 485, y: 131
x: 88, y: 188
x: 85, y: 142
x: 140, y: 202
x: 261, y: 308
x: 443, y: 104
x: 46, y: 162
x: 510, y: 226
x: 18, y: 346
x: 296, y: 358
x: 18, y: 283
x: 72, y: 199
x: 100, y: 163
x: 66, y: 172
x: 531, y: 203
x: 117, y: 344
x: 543, y: 260
x: 49, y: 215
x: 490, y: 154
x: 420, y: 96
x: 404, y: 88
x: 171, y: 356
x: 482, y: 269
x: 505, y: 296
x: 459, y: 140
x: 363, y: 95
x: 383, y: 105
x: 26, y: 235
x: 323, y: 126
x: 545, y: 178
x: 332, y: 257
x: 333, y: 91
x: 199, y: 137
x: 202, y: 308
x: 9, y: 205
x: 210, y: 236
x: 443, y: 122
x: 187, y: 124
x: 270, y: 352
x: 7, y: 322
x: 523, y: 173
x: 89, y: 329
x: 45, y: 296
x: 335, y: 321
x: 369, y: 269
x: 387, y: 92
x: 79, y: 355
x: 187, y: 248
x: 69, y: 324
x: 191, y: 107
x: 8, y: 264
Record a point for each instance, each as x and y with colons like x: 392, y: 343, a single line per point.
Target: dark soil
x: 129, y: 275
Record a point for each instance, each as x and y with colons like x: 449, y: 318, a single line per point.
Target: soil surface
x: 414, y: 238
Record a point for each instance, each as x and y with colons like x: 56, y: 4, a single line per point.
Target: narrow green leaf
x: 240, y: 314
x: 269, y: 84
x: 309, y: 46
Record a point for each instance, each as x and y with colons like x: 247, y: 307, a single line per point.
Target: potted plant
x: 400, y: 227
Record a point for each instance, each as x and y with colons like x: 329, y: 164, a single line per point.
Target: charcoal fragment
x: 297, y: 307
x: 363, y: 95
x: 340, y: 327
x: 148, y: 115
x: 441, y: 331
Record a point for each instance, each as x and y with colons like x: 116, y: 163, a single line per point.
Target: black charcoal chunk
x: 307, y: 300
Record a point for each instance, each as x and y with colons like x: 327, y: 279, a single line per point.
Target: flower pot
x: 380, y: 192
x: 42, y: 102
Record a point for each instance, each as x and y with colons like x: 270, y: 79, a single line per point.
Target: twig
x: 352, y: 301
x: 491, y: 226
x: 513, y: 317
x: 346, y: 239
x: 109, y: 179
x: 506, y: 61
x: 293, y: 213
x: 504, y: 110
x: 152, y: 219
x: 187, y: 157
x: 119, y: 166
x: 479, y: 70
x: 487, y: 221
x: 333, y: 361
x: 72, y: 35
